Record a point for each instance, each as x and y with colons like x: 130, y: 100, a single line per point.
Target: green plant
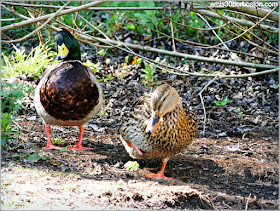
x: 10, y: 94
x: 108, y: 78
x: 57, y: 141
x: 7, y: 130
x: 251, y: 89
x: 34, y: 157
x: 223, y: 102
x: 149, y: 73
x: 238, y: 110
x: 131, y: 165
x: 20, y: 64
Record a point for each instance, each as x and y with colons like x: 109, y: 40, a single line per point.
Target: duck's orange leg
x: 160, y: 174
x: 79, y: 146
x: 49, y: 142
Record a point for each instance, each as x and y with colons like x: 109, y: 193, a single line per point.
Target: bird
x: 159, y: 125
x: 68, y: 93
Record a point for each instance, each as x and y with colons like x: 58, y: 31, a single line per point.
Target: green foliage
x: 149, y: 73
x: 57, y: 141
x: 20, y: 64
x: 223, y: 102
x: 7, y: 130
x: 238, y: 110
x: 108, y: 78
x: 33, y: 158
x: 131, y: 165
x: 10, y: 94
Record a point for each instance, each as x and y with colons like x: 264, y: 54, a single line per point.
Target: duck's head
x: 164, y: 99
x: 67, y: 46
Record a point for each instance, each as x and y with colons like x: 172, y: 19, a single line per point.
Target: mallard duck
x: 159, y: 126
x: 68, y: 94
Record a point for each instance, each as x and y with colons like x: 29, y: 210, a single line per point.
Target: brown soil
x: 227, y: 173
x: 235, y: 165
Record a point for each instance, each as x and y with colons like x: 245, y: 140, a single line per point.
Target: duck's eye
x: 63, y: 49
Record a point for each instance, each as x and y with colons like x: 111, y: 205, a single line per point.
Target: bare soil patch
x: 221, y: 173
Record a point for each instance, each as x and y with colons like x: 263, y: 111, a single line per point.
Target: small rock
x: 223, y: 134
x: 32, y: 118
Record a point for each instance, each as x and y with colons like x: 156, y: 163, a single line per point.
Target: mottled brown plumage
x: 161, y: 125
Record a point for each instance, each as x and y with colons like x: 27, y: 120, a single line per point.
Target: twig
x: 6, y: 36
x: 259, y: 12
x: 240, y: 21
x: 76, y: 16
x: 172, y: 30
x: 101, y: 8
x: 242, y: 28
x: 258, y: 23
x: 247, y: 202
x: 39, y: 28
x: 225, y: 18
x: 39, y: 31
x: 202, y: 29
x: 118, y: 44
x: 234, y: 55
x: 101, y: 32
x: 202, y: 102
x: 72, y: 10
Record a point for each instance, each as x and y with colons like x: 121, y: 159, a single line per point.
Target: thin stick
x: 118, y: 44
x: 172, y: 30
x: 102, y: 8
x: 247, y: 202
x: 72, y: 10
x: 202, y: 102
x: 39, y: 28
x: 76, y: 16
x: 258, y: 23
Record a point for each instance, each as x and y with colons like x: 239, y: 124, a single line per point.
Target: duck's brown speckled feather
x: 68, y: 92
x: 176, y: 130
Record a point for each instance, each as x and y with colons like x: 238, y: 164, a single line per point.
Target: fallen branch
x: 256, y: 24
x: 39, y: 28
x: 45, y: 17
x: 165, y: 52
x: 259, y: 12
x: 239, y: 21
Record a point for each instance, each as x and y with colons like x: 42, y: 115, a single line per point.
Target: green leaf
x: 15, y: 155
x: 131, y: 165
x: 131, y: 26
x: 223, y: 102
x: 33, y: 157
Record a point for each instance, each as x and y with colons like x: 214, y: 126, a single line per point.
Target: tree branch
x: 72, y: 10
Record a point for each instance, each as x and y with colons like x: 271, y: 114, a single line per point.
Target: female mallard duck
x: 159, y: 126
x: 68, y: 93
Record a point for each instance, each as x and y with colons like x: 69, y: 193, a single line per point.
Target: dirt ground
x: 225, y: 173
x: 234, y: 165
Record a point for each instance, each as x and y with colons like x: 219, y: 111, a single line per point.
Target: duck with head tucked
x: 159, y: 126
x: 68, y: 94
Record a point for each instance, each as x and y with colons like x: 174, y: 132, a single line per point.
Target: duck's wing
x: 191, y: 117
x: 135, y: 120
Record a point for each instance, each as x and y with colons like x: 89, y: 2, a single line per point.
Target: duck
x: 159, y: 125
x: 68, y: 93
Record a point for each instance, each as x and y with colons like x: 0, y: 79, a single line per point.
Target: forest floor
x: 233, y: 164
